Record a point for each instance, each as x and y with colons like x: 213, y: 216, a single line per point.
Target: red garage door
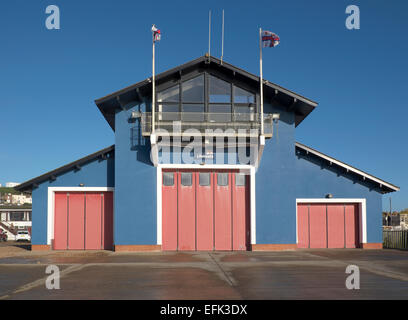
x: 83, y: 221
x: 333, y: 225
x: 205, y: 210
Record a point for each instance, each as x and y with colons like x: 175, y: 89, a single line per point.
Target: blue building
x: 208, y: 170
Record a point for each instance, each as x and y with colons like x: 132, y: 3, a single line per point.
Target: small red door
x: 332, y: 225
x: 223, y: 212
x: 61, y: 221
x: 303, y: 225
x: 83, y: 220
x: 335, y: 225
x: 205, y: 210
x: 76, y: 216
x: 186, y: 211
x: 352, y: 225
x: 240, y: 206
x: 318, y: 227
x: 169, y: 208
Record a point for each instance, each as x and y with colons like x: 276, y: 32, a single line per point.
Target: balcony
x: 210, y: 124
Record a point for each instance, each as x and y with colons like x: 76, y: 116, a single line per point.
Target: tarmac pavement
x: 300, y: 274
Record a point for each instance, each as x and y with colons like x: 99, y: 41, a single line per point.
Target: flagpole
x: 153, y: 87
x: 261, y: 79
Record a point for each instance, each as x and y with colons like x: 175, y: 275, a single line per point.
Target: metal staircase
x: 10, y: 231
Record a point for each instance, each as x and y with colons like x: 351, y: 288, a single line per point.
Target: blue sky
x: 50, y: 78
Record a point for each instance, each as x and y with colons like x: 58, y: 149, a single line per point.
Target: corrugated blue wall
x: 97, y: 173
x: 135, y: 191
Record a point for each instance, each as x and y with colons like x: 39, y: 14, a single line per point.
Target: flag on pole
x: 156, y: 33
x: 269, y: 39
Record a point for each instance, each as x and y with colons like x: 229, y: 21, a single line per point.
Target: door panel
x: 76, y: 216
x: 318, y: 227
x: 223, y: 214
x: 352, y: 226
x: 303, y: 225
x: 93, y: 221
x: 61, y: 222
x: 205, y: 210
x: 335, y: 225
x: 107, y: 218
x: 169, y: 208
x: 240, y: 207
x: 186, y: 211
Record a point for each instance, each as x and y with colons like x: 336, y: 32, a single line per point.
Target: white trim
x: 346, y: 166
x: 204, y: 166
x: 51, y: 201
x: 247, y: 168
x: 154, y: 149
x: 252, y: 203
x: 159, y: 205
x: 362, y: 212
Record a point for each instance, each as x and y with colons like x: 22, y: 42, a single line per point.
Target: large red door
x: 186, y: 211
x: 223, y: 212
x: 83, y: 220
x: 205, y: 210
x: 240, y: 206
x: 169, y: 208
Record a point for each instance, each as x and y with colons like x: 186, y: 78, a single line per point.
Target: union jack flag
x: 269, y: 39
x: 156, y: 33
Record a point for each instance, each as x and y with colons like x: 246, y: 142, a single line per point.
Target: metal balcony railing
x: 212, y: 124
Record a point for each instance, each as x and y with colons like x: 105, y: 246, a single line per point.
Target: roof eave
x: 113, y: 99
x: 29, y: 184
x: 386, y: 187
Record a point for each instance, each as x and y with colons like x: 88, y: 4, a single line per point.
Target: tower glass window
x: 168, y: 102
x: 191, y: 99
x: 244, y: 104
x: 169, y: 95
x: 220, y: 90
x: 192, y: 106
x: 193, y: 90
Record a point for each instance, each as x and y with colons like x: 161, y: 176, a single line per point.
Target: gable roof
x: 108, y: 105
x: 29, y: 184
x: 386, y: 187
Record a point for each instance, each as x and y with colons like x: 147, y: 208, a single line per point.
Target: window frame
x: 165, y: 173
x: 225, y: 174
x: 239, y: 174
x: 191, y: 178
x: 209, y: 179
